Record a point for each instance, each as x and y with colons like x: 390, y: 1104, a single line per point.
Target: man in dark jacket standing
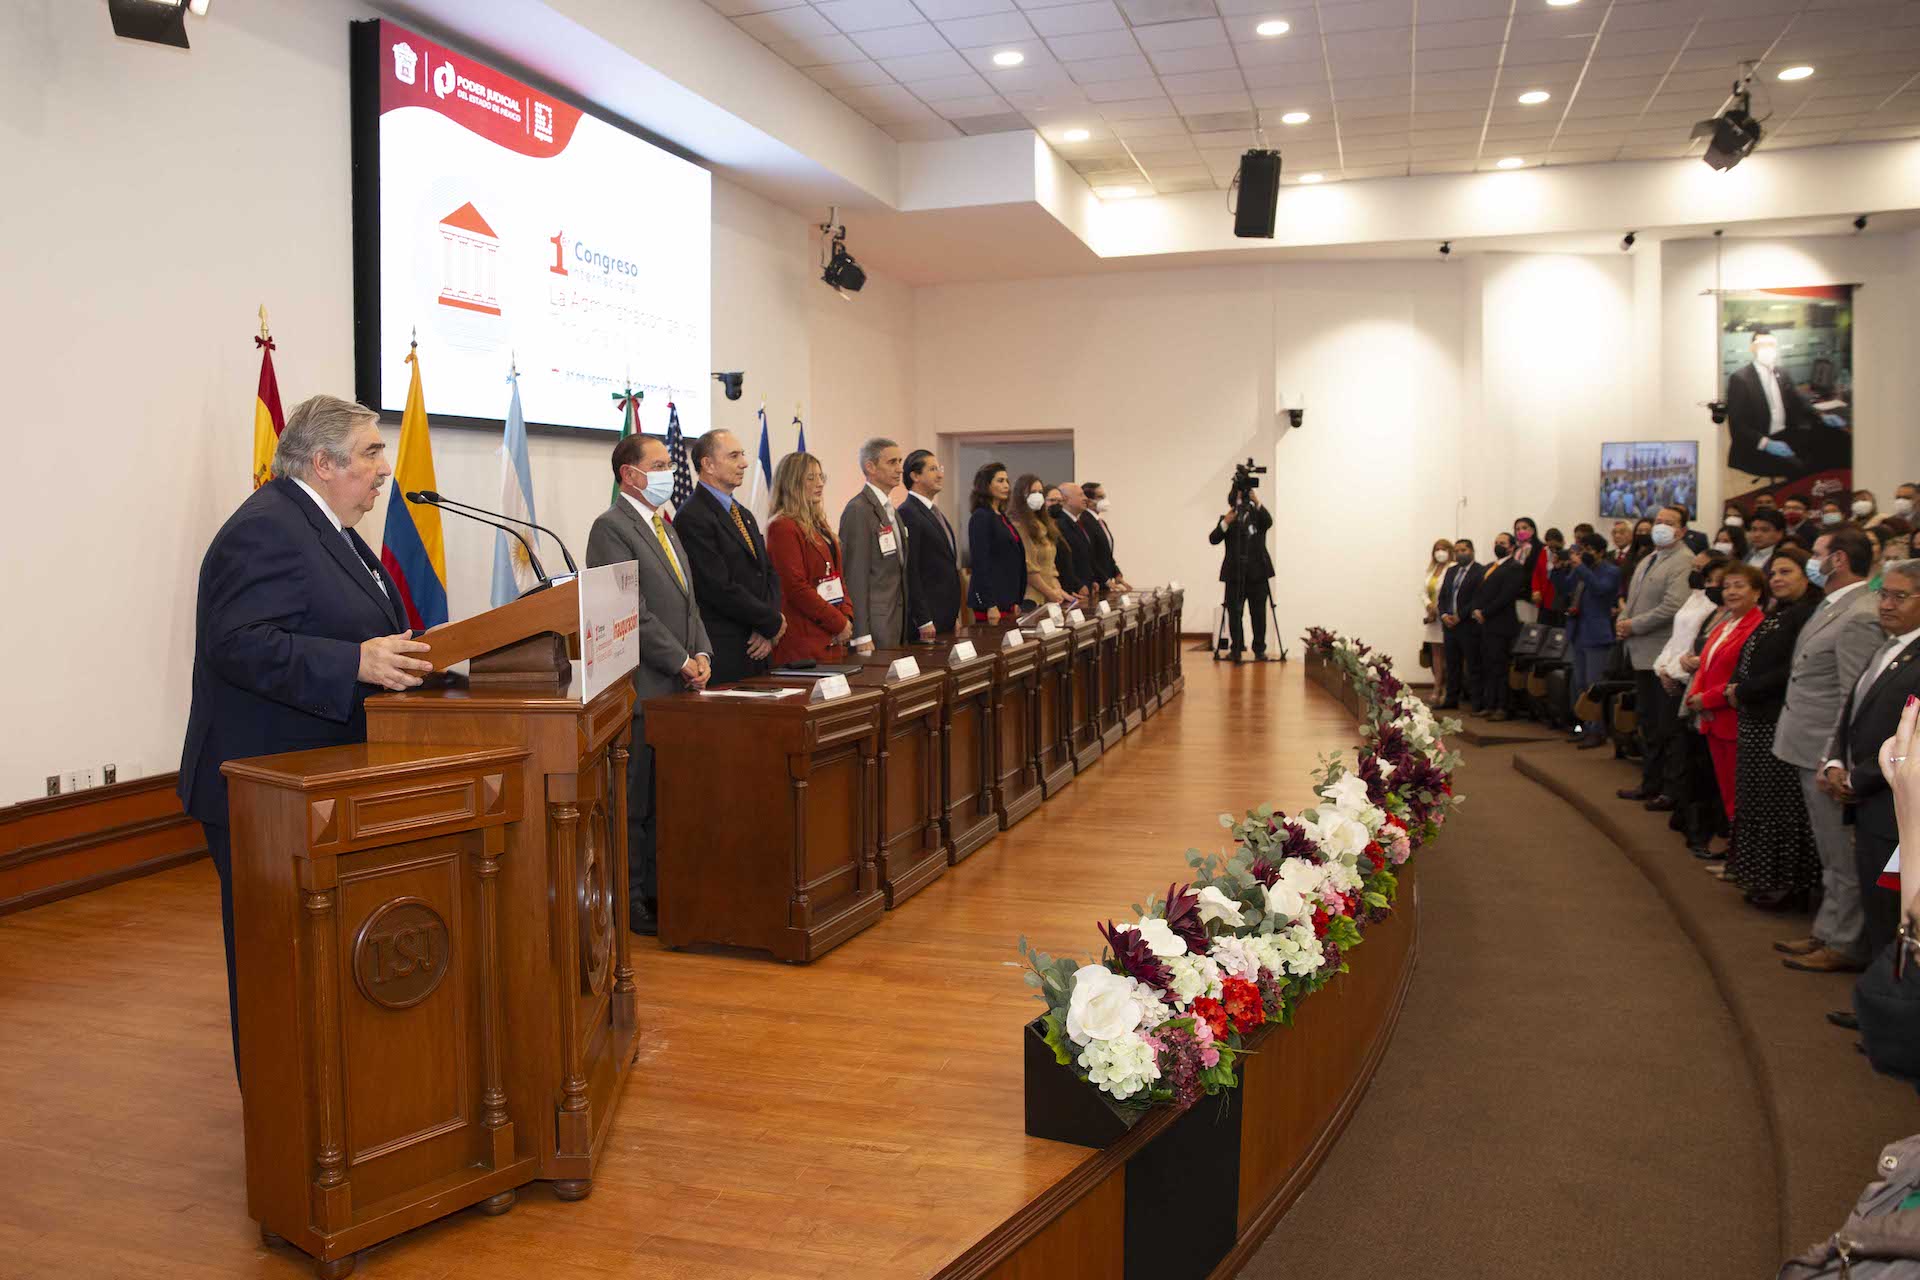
x: 1460, y: 633
x: 1505, y: 585
x: 1246, y: 570
x: 933, y: 551
x: 733, y: 577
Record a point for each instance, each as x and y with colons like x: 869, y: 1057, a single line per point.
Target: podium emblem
x: 595, y: 902
x: 400, y: 954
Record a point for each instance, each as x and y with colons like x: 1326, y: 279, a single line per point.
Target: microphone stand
x: 428, y: 498
x: 437, y: 500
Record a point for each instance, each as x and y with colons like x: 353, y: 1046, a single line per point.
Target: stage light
x: 731, y: 381
x: 1860, y: 223
x: 1311, y: 178
x: 1626, y: 241
x: 1534, y: 97
x: 1273, y: 27
x: 154, y: 21
x: 839, y: 272
x: 1795, y: 73
x: 1009, y: 58
x: 1075, y: 135
x: 1295, y: 117
x: 1734, y: 133
x: 1510, y: 162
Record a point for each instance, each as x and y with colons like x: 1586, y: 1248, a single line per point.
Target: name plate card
x: 1013, y: 639
x: 962, y: 652
x: 901, y: 669
x: 1127, y: 601
x: 829, y: 688
x: 1053, y: 612
x: 1076, y: 617
x: 1048, y: 627
x: 1104, y: 608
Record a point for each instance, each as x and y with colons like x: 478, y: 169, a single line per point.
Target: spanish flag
x: 412, y: 548
x: 268, y: 421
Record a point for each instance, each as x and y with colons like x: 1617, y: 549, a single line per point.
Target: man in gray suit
x: 674, y: 650
x: 1828, y: 659
x: 873, y: 549
x: 1658, y: 589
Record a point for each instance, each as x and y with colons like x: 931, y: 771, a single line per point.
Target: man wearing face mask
x: 1801, y: 529
x: 1658, y: 588
x: 1770, y: 425
x: 1506, y: 583
x: 1906, y: 500
x: 1073, y: 537
x: 1764, y: 532
x: 675, y: 653
x: 1460, y: 634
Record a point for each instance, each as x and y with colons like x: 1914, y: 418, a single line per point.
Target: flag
x: 677, y: 454
x: 412, y: 548
x: 628, y: 402
x: 800, y: 429
x: 512, y: 572
x: 761, y: 487
x: 268, y: 421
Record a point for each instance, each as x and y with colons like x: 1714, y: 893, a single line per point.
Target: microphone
x: 437, y: 500
x: 428, y: 498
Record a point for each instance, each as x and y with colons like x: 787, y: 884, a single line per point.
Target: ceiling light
x: 1273, y: 27
x: 1009, y: 58
x: 1510, y: 162
x: 1295, y: 117
x: 1075, y: 135
x: 1534, y: 97
x: 1561, y: 4
x: 1311, y: 178
x: 1796, y: 73
x: 1115, y: 193
x: 1734, y: 133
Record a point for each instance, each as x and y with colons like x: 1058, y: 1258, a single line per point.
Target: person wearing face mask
x: 1461, y: 633
x: 1731, y: 542
x: 1435, y: 637
x: 1246, y: 569
x: 1832, y: 650
x: 1595, y: 591
x: 1865, y: 510
x: 1893, y: 543
x: 1770, y: 425
x: 675, y: 652
x: 1494, y: 603
x: 1532, y: 556
x: 1700, y: 813
x: 1073, y: 536
x: 1038, y: 540
x: 1906, y: 501
x: 1733, y: 518
x: 1773, y: 857
x: 1656, y: 589
x: 1710, y: 693
x: 1801, y: 529
x: 1063, y: 562
x: 1832, y: 516
x: 1085, y: 503
x: 1764, y: 533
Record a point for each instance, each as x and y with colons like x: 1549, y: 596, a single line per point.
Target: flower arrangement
x: 1162, y: 1015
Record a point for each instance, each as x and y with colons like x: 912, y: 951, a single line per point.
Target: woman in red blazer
x: 1709, y: 695
x: 806, y: 555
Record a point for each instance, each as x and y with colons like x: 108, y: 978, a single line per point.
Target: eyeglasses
x: 1898, y: 597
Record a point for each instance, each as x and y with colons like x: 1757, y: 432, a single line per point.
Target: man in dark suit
x: 933, y: 553
x: 733, y: 577
x: 1852, y: 772
x: 295, y: 623
x: 675, y: 652
x: 1246, y: 569
x: 1105, y: 569
x: 1460, y: 633
x: 1771, y: 429
x: 1076, y: 548
x: 1504, y: 585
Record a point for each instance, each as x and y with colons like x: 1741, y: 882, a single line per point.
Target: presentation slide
x: 518, y: 230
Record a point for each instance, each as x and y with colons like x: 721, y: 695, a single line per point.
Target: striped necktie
x: 660, y: 532
x: 740, y: 523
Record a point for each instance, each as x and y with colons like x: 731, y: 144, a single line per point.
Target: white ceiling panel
x: 1093, y: 44
x: 1197, y: 34
x: 815, y: 50
x: 867, y: 15
x: 848, y: 75
x: 948, y: 10
x: 926, y: 66
x: 992, y: 28
x: 902, y: 42
x: 1170, y: 62
x: 1094, y: 70
x: 1074, y: 19
x: 1124, y: 90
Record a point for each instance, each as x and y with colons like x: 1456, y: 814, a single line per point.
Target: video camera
x: 1246, y: 478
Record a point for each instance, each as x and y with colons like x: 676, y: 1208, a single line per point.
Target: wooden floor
x: 860, y: 1116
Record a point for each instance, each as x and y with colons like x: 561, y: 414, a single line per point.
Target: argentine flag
x: 512, y: 573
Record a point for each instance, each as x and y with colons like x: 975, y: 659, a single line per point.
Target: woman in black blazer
x: 994, y: 552
x: 1506, y: 583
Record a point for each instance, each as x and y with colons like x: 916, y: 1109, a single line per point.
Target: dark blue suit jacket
x: 933, y: 564
x: 283, y: 607
x: 997, y: 560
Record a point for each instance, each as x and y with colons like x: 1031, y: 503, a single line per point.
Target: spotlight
x: 1734, y: 133
x: 1717, y: 410
x: 1860, y: 223
x: 1795, y: 73
x: 1273, y: 27
x: 731, y: 381
x: 839, y: 272
x: 1295, y: 117
x: 154, y: 21
x: 1626, y: 241
x: 1446, y: 247
x: 1534, y: 97
x: 1009, y: 58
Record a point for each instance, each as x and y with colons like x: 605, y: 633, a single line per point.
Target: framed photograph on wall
x: 1638, y: 477
x: 1786, y: 378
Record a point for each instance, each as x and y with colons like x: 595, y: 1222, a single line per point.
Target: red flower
x: 1319, y: 922
x: 1213, y: 1013
x: 1242, y: 999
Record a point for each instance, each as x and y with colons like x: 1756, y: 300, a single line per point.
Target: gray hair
x: 318, y: 424
x: 870, y: 451
x: 1908, y: 569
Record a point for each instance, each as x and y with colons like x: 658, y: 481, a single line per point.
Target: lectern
x: 436, y: 1001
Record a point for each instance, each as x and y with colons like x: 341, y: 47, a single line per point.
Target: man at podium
x: 295, y: 624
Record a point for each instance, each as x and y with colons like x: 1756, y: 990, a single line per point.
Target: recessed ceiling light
x: 1009, y: 58
x: 1534, y: 97
x: 1511, y: 162
x: 1075, y: 135
x: 1561, y: 4
x: 1796, y: 73
x: 1311, y: 178
x: 1295, y: 117
x: 1115, y: 193
x: 1273, y: 27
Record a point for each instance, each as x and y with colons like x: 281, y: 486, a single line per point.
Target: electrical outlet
x: 109, y: 774
x: 53, y: 784
x: 70, y: 781
x: 89, y: 777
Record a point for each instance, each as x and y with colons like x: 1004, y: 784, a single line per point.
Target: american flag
x: 677, y: 451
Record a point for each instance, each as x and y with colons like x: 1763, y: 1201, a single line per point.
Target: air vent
x: 1143, y: 13
x: 1221, y: 121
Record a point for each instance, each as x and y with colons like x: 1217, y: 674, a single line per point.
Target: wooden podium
x: 436, y: 1002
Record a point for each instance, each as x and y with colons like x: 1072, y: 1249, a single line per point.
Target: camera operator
x: 1245, y: 567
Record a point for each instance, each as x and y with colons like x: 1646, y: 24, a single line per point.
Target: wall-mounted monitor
x: 1639, y: 477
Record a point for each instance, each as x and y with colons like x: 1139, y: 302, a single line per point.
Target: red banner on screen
x: 416, y: 72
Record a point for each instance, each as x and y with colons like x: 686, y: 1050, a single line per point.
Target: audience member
x: 1699, y: 806
x: 1039, y: 542
x: 1433, y: 639
x: 1906, y: 501
x: 1640, y: 548
x: 806, y: 555
x: 1461, y: 632
x: 1656, y: 589
x: 1494, y: 609
x: 994, y: 554
x: 1864, y: 509
x: 1105, y: 568
x: 1800, y: 529
x: 1711, y: 693
x: 1529, y: 553
x: 1622, y: 537
x: 1732, y: 517
x: 1773, y: 857
x: 1893, y: 541
x: 1064, y: 566
x: 1833, y: 650
x: 1764, y: 533
x: 733, y: 576
x: 1731, y: 542
x: 872, y: 539
x: 1075, y: 539
x: 933, y: 552
x: 1596, y: 591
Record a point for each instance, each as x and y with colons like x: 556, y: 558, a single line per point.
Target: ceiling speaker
x: 1257, y: 211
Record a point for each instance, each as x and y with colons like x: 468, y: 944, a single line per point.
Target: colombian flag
x: 412, y: 548
x: 268, y: 421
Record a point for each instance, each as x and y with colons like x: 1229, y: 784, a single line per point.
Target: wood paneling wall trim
x: 66, y: 845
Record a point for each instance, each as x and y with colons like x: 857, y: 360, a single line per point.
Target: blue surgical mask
x: 1663, y: 535
x: 659, y: 487
x: 1817, y: 572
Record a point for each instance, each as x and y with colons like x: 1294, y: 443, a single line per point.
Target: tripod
x: 1234, y: 591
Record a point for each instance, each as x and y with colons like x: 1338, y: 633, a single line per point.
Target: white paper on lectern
x: 609, y: 626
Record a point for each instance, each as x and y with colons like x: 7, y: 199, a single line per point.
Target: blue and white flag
x: 512, y: 572
x: 760, y: 486
x: 800, y: 428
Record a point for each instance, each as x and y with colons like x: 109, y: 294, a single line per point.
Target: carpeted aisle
x: 1565, y: 1095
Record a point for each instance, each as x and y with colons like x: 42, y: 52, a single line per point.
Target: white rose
x: 1102, y: 1005
x: 1160, y: 939
x: 1348, y: 794
x: 1215, y: 905
x: 1338, y: 835
x: 1288, y: 896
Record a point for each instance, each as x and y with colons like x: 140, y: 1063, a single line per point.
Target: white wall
x: 169, y: 195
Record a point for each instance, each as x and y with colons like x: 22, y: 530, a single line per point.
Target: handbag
x: 1879, y: 1240
x: 1619, y: 663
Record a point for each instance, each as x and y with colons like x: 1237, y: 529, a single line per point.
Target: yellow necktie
x: 745, y: 537
x: 660, y: 532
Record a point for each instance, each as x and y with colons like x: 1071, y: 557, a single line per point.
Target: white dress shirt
x: 1770, y: 383
x: 647, y: 514
x: 1695, y: 610
x: 340, y: 529
x: 1895, y: 646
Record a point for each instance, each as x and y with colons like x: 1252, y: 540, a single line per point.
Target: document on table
x: 756, y: 694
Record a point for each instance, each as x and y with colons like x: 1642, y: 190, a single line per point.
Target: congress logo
x: 400, y: 954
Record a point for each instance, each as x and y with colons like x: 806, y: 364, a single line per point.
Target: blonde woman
x: 806, y: 555
x: 1436, y: 637
x: 1039, y: 540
